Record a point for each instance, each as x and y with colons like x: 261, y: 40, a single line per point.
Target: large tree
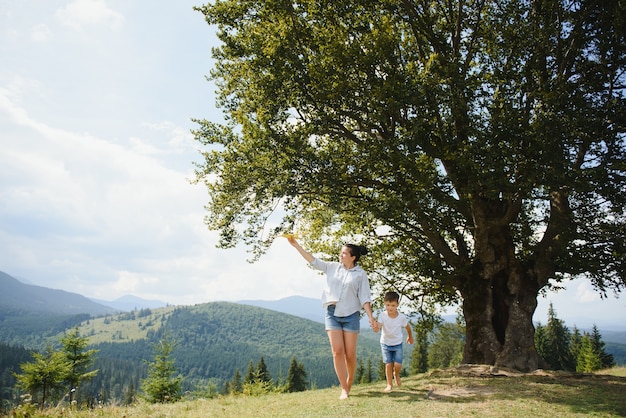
x: 477, y: 147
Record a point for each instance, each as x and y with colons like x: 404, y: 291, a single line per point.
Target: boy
x: 391, y: 321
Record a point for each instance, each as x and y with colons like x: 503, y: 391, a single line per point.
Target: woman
x: 347, y: 289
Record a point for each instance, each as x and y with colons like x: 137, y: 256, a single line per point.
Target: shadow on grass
x: 583, y: 394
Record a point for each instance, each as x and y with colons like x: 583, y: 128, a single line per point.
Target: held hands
x: 375, y: 325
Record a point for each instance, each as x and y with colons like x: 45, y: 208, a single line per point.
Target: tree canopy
x: 477, y: 147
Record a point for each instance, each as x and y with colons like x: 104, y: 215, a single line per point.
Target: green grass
x: 461, y: 392
x: 115, y: 328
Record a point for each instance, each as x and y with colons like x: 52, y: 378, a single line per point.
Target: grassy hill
x: 461, y: 392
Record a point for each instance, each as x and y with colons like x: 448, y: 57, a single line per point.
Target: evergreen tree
x: 368, y: 373
x: 262, y: 373
x: 130, y: 395
x: 556, y: 350
x: 422, y: 330
x: 605, y: 358
x: 360, y: 371
x: 576, y: 341
x: 588, y: 357
x: 251, y: 375
x: 541, y: 345
x: 161, y: 385
x: 381, y: 370
x: 235, y: 385
x: 44, y: 377
x: 296, y: 377
x: 447, y: 347
x: 79, y: 360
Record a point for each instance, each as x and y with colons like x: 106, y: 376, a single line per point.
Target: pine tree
x: 381, y: 370
x: 251, y: 374
x: 588, y: 357
x: 296, y: 377
x: 262, y: 373
x: 130, y: 395
x: 79, y: 360
x: 161, y: 385
x: 44, y: 377
x: 235, y: 385
x: 556, y: 350
x: 541, y: 345
x: 360, y: 371
x: 447, y: 347
x: 605, y: 358
x: 368, y: 373
x: 421, y: 332
x: 576, y: 341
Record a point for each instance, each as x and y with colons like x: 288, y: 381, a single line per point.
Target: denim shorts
x: 392, y: 353
x: 350, y: 323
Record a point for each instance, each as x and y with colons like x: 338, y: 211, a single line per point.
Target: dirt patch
x: 472, y: 371
x: 442, y: 392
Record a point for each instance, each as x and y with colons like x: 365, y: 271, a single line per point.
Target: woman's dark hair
x: 356, y: 251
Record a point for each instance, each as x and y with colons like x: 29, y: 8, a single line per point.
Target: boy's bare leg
x: 389, y: 376
x: 397, y: 370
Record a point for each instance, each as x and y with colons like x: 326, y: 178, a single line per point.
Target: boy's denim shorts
x: 351, y: 323
x: 392, y: 353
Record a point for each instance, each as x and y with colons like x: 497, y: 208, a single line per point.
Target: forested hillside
x: 213, y: 340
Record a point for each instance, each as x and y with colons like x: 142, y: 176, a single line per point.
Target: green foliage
x: 79, y: 360
x: 588, y: 359
x: 553, y: 343
x: 44, y: 377
x: 422, y: 330
x: 381, y: 370
x: 562, y: 350
x: 364, y: 373
x: 10, y: 359
x: 161, y: 385
x: 262, y: 374
x: 235, y: 386
x: 606, y: 359
x: 296, y: 377
x: 477, y: 148
x: 30, y: 329
x: 446, y: 349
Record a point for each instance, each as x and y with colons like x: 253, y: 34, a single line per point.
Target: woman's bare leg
x: 343, y: 346
x: 350, y: 340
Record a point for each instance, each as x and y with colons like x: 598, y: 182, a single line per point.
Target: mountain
x: 18, y: 296
x: 130, y: 303
x: 295, y: 305
x: 30, y: 314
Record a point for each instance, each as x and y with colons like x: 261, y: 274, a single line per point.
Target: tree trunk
x: 499, y: 300
x: 498, y: 315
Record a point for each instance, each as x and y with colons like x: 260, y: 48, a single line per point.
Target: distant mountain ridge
x: 19, y: 296
x: 295, y: 305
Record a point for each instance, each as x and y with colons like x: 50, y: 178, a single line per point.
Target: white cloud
x: 80, y: 14
x: 586, y: 294
x: 41, y: 33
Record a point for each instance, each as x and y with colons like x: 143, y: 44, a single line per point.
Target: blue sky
x: 96, y: 101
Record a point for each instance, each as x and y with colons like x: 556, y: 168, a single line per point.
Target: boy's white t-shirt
x: 392, y: 328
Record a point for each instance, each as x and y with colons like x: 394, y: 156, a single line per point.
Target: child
x: 391, y: 321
